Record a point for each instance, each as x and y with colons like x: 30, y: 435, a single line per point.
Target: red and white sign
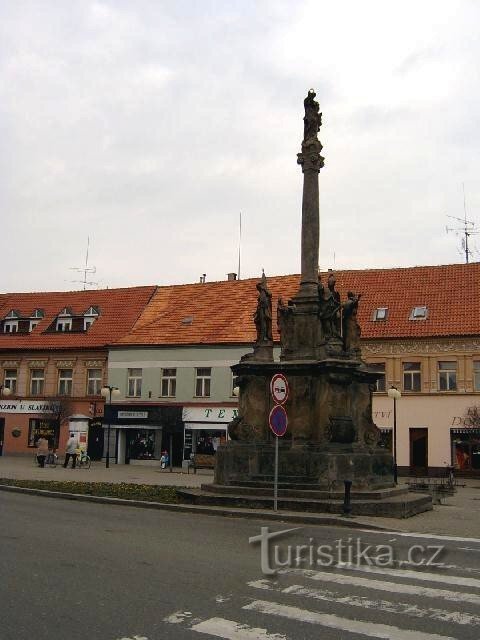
x: 279, y: 388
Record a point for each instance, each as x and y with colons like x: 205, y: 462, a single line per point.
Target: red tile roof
x: 119, y: 309
x: 222, y: 312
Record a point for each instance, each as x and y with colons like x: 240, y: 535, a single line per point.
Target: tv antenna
x: 467, y: 228
x: 85, y: 270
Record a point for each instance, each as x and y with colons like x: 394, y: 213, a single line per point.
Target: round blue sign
x: 278, y: 420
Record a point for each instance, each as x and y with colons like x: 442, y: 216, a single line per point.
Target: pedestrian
x: 42, y: 451
x: 71, y: 451
x: 164, y: 460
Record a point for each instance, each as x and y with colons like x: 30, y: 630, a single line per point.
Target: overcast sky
x: 149, y: 126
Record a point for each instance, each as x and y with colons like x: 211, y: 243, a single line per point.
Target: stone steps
x: 404, y: 505
x: 299, y: 491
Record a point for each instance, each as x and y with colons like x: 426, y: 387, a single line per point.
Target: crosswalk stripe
x: 369, y: 629
x: 391, y: 587
x: 402, y: 608
x: 222, y: 628
x: 412, y: 575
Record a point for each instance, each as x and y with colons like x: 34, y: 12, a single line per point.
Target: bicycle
x: 84, y: 461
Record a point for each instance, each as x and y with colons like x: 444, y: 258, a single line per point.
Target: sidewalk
x: 23, y: 468
x: 459, y: 516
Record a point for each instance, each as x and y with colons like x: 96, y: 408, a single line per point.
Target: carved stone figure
x: 313, y: 119
x: 263, y: 314
x: 351, y: 328
x: 329, y: 302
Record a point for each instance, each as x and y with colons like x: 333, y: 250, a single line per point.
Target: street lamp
x: 107, y: 392
x: 5, y: 391
x: 395, y: 394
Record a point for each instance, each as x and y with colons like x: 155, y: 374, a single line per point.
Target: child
x: 164, y: 459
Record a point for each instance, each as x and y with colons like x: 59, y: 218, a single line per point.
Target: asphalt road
x: 72, y: 570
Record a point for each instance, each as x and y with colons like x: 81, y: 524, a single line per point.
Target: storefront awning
x: 207, y: 426
x: 138, y: 427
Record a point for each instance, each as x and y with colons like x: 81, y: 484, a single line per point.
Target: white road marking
x: 391, y: 587
x: 370, y: 629
x: 402, y: 608
x: 412, y: 575
x: 231, y: 630
x: 429, y: 536
x: 178, y: 617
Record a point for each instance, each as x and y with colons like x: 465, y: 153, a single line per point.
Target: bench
x: 202, y: 461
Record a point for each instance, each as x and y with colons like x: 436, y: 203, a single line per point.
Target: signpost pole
x: 275, y: 482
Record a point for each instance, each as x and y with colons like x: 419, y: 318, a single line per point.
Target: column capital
x: 309, y: 158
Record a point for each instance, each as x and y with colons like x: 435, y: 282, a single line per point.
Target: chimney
x: 231, y: 276
x: 202, y: 278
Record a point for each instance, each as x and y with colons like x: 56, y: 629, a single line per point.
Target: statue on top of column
x: 313, y: 118
x: 351, y: 328
x: 263, y: 313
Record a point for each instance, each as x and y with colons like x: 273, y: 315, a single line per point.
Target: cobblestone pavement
x: 24, y: 468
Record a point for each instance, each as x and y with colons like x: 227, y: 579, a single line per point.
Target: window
x: 447, y: 376
x: 380, y: 313
x: 10, y: 326
x: 64, y: 324
x: 135, y: 382
x: 476, y: 375
x: 10, y: 380
x: 87, y: 322
x: 168, y: 383
x: 65, y: 381
x: 379, y: 367
x: 412, y: 380
x: 94, y: 382
x: 202, y: 382
x: 48, y: 429
x: 89, y: 317
x: 418, y: 313
x: 37, y: 379
x: 33, y: 324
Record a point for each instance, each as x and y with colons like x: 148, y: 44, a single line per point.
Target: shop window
x: 10, y: 380
x: 168, y: 383
x: 65, y: 382
x: 94, y: 382
x: 202, y: 382
x: 134, y: 383
x: 48, y: 429
x: 37, y: 381
x: 476, y: 375
x: 447, y: 376
x: 379, y: 367
x: 412, y: 377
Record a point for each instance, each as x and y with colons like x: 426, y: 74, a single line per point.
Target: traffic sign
x: 278, y: 420
x: 279, y: 388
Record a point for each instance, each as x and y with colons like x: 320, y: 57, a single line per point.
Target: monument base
x: 312, y: 465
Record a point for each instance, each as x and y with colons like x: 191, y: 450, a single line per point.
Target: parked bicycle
x: 83, y: 460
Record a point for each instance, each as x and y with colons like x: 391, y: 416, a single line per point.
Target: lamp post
x: 395, y: 394
x: 107, y: 392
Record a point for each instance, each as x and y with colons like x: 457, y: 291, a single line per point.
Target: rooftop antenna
x: 467, y: 228
x: 85, y: 270
x: 239, y: 244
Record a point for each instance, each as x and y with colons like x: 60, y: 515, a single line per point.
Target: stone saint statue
x: 263, y: 314
x: 351, y: 328
x: 329, y: 308
x: 313, y: 119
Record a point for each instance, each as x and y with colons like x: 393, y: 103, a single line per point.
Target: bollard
x: 347, y: 505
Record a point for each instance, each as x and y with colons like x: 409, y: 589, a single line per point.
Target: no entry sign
x: 278, y: 420
x: 279, y: 388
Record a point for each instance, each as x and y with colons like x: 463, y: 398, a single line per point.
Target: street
x: 81, y: 570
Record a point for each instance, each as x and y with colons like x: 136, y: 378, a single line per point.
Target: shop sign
x: 209, y: 414
x: 126, y: 415
x: 27, y: 406
x: 471, y: 419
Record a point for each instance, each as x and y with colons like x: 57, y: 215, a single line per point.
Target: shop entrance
x: 96, y: 439
x: 2, y: 434
x: 419, y: 451
x: 466, y: 449
x: 142, y: 444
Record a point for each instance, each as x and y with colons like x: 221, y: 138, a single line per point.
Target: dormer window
x: 10, y: 323
x: 89, y: 317
x: 64, y: 324
x: 38, y: 314
x: 33, y: 324
x: 419, y: 313
x: 380, y: 313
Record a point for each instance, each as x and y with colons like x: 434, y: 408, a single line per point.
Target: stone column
x: 311, y: 162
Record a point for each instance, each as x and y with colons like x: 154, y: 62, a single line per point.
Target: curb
x: 299, y: 518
